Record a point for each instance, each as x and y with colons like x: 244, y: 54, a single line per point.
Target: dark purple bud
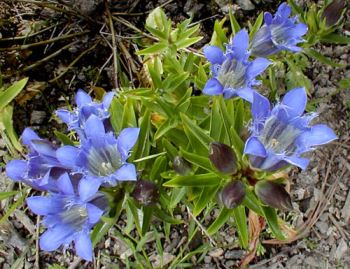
x: 181, y: 166
x: 333, y: 12
x: 222, y: 157
x: 145, y: 192
x: 232, y: 194
x: 273, y: 194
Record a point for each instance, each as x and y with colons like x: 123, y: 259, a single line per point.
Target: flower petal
x: 94, y: 127
x: 43, y: 147
x: 67, y: 155
x: 88, y: 187
x: 214, y: 54
x: 64, y: 115
x: 267, y: 18
x: 283, y: 10
x: 293, y: 104
x: 107, y: 99
x: 246, y: 94
x: 83, y: 246
x: 53, y: 238
x: 41, y: 205
x: 82, y: 98
x: 94, y: 213
x: 213, y: 87
x: 254, y: 147
x: 64, y: 184
x: 256, y: 67
x: 260, y: 108
x: 318, y: 134
x: 126, y: 172
x: 297, y: 161
x: 16, y: 169
x: 28, y: 135
x: 240, y: 44
x: 126, y: 140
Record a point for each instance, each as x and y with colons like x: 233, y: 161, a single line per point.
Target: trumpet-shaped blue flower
x: 278, y: 33
x: 233, y: 74
x: 69, y: 215
x: 85, y: 108
x: 280, y: 136
x: 41, y: 166
x: 101, y: 158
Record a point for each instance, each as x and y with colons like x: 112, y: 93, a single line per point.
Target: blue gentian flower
x: 69, y: 215
x: 280, y: 136
x: 41, y: 166
x: 233, y: 74
x: 278, y: 33
x: 85, y: 108
x: 101, y: 157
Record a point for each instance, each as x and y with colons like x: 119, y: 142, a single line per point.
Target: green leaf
x: 272, y: 221
x: 11, y: 92
x: 257, y: 25
x: 209, y: 179
x: 336, y: 39
x: 116, y: 110
x: 162, y: 215
x: 321, y: 58
x: 157, y: 168
x: 64, y: 138
x: 344, y: 83
x: 241, y: 224
x: 129, y: 119
x: 234, y: 23
x: 197, y: 160
x: 176, y: 196
x: 13, y: 207
x: 204, y: 199
x: 7, y: 131
x: 253, y: 203
x: 143, y: 143
x: 184, y: 43
x: 154, y: 49
x: 5, y: 195
x: 220, y: 220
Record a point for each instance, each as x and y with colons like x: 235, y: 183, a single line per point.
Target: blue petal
x: 88, y: 187
x: 82, y: 98
x: 44, y: 205
x: 83, y: 246
x: 94, y: 213
x: 254, y: 147
x: 53, y: 238
x: 267, y: 18
x: 44, y: 147
x: 107, y: 99
x: 94, y: 127
x: 16, y: 169
x: 284, y: 10
x: 64, y: 184
x: 246, y: 94
x: 318, y: 134
x: 214, y: 54
x: 297, y: 161
x: 299, y: 30
x: 126, y: 172
x: 126, y: 140
x: 64, y: 115
x: 293, y: 104
x: 260, y: 108
x: 256, y: 67
x: 28, y: 135
x: 67, y: 155
x: 240, y: 44
x: 213, y: 87
x: 272, y: 160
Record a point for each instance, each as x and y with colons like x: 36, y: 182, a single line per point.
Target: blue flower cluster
x: 233, y: 74
x: 72, y: 175
x: 280, y: 136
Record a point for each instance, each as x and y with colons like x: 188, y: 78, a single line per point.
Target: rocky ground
x: 321, y: 193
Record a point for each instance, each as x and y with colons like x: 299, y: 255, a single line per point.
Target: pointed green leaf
x: 209, y: 179
x: 223, y: 217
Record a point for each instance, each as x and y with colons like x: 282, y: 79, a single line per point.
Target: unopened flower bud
x: 232, y: 194
x: 222, y: 157
x: 181, y: 166
x: 273, y: 194
x: 332, y: 13
x: 145, y: 192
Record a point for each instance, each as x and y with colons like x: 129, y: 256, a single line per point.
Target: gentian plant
x: 186, y: 139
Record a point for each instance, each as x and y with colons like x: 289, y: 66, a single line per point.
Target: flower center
x: 104, y: 161
x: 278, y: 136
x: 232, y: 74
x: 280, y: 34
x: 74, y: 215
